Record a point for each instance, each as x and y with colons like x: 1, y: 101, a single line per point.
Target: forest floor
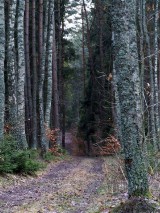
x: 75, y: 185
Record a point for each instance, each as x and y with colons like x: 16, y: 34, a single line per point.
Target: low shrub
x: 14, y: 160
x: 49, y: 156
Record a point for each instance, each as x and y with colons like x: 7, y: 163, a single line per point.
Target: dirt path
x: 72, y: 186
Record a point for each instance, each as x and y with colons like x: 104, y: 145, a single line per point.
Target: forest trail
x: 77, y: 185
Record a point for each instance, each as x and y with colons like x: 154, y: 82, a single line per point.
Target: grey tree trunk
x: 34, y: 73
x: 43, y: 140
x: 128, y: 85
x: 20, y: 75
x: 16, y: 72
x: 152, y: 92
x: 156, y: 74
x: 117, y: 109
x: 2, y: 54
x: 48, y: 67
x: 11, y: 72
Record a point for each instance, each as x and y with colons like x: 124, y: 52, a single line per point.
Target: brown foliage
x: 52, y: 135
x: 107, y: 146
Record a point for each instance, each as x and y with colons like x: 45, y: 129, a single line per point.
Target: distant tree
x: 96, y: 108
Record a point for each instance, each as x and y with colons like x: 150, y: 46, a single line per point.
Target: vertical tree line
x: 28, y: 71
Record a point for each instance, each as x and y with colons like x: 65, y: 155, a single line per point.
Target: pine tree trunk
x: 2, y: 55
x: 43, y: 140
x: 152, y: 116
x: 117, y: 117
x: 28, y: 96
x: 21, y: 75
x: 48, y: 67
x: 61, y: 13
x: 34, y: 73
x: 128, y: 85
x: 55, y: 101
x: 83, y: 53
x: 156, y: 74
x: 11, y: 72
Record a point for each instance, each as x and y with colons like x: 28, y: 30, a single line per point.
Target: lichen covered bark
x: 2, y: 54
x: 128, y: 86
x: 21, y: 75
x: 48, y: 67
x: 11, y: 106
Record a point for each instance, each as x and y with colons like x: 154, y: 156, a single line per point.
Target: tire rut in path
x: 33, y: 191
x: 16, y: 196
x: 91, y: 190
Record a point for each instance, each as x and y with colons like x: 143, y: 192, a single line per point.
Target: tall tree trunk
x: 142, y: 66
x: 63, y: 107
x: 89, y: 42
x: 28, y: 95
x: 20, y: 75
x: 156, y: 74
x: 55, y: 101
x: 16, y: 73
x: 43, y: 141
x: 12, y: 97
x: 46, y: 24
x: 128, y: 84
x: 61, y: 13
x: 117, y: 117
x: 83, y: 52
x: 91, y: 66
x: 48, y: 67
x: 34, y: 73
x: 152, y: 116
x: 2, y: 54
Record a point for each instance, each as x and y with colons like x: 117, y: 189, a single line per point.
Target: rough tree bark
x: 2, y: 54
x: 20, y: 74
x: 34, y: 73
x: 43, y: 141
x: 156, y: 74
x: 152, y: 92
x: 11, y: 72
x: 48, y: 63
x: 128, y: 85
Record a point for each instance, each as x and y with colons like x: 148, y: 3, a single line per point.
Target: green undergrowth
x: 15, y: 160
x: 62, y: 155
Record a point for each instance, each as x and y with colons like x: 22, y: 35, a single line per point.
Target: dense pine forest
x: 80, y: 90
